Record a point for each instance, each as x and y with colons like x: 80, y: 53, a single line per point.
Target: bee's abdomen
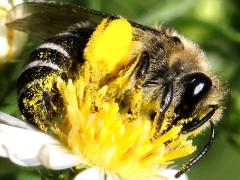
x: 39, y: 99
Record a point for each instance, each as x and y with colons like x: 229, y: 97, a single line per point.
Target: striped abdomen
x: 39, y: 99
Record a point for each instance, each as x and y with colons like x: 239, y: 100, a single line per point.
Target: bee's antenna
x: 193, y: 161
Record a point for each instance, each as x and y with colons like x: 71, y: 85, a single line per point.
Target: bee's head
x: 179, y: 84
x: 197, y: 93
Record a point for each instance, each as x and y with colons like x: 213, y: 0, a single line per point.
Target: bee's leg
x: 167, y: 97
x: 165, y: 103
x: 144, y: 63
x: 193, y: 161
x: 195, y: 123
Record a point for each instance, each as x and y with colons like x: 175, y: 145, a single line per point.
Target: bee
x: 176, y: 81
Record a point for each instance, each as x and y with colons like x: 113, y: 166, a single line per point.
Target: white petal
x: 57, y: 157
x: 21, y: 145
x: 93, y: 173
x: 170, y: 173
x: 10, y: 120
x: 113, y: 177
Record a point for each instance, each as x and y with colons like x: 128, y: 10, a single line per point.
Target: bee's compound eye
x: 196, y: 86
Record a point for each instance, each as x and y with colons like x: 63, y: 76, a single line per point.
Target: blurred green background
x: 214, y: 25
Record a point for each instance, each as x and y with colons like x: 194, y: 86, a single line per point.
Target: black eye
x: 196, y: 86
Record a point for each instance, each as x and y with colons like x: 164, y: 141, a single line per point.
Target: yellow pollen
x: 105, y: 137
x: 109, y: 45
x: 100, y: 129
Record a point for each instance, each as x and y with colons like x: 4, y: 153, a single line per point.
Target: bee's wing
x: 47, y: 19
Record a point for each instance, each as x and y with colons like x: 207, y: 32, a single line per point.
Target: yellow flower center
x: 98, y: 125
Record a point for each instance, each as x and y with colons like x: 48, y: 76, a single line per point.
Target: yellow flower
x: 11, y: 41
x: 26, y: 146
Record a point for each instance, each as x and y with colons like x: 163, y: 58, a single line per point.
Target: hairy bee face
x: 177, y: 82
x: 151, y: 73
